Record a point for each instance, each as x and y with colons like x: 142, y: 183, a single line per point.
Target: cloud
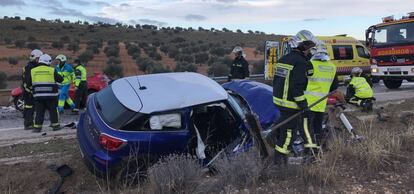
x: 79, y: 2
x: 12, y: 3
x: 72, y: 12
x: 54, y: 3
x: 194, y: 17
x: 153, y: 22
x: 233, y: 12
x: 102, y: 3
x: 313, y: 19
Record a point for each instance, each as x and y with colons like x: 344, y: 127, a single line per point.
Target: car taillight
x: 111, y: 143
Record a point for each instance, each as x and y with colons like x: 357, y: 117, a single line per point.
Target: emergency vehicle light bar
x: 388, y: 19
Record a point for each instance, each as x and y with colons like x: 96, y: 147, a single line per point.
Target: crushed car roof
x: 166, y: 91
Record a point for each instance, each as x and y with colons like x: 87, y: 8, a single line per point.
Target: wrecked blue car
x: 136, y: 120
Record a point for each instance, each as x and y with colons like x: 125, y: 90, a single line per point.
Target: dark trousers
x: 317, y: 122
x: 28, y: 109
x: 81, y: 94
x: 40, y: 108
x: 288, y: 131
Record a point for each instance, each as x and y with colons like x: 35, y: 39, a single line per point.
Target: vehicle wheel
x: 19, y: 103
x: 375, y: 80
x: 392, y: 84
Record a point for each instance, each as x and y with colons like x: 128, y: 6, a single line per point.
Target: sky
x: 322, y: 17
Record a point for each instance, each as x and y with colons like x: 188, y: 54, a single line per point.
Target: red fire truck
x: 392, y: 50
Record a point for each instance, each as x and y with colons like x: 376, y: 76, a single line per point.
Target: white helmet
x: 61, y: 58
x: 302, y: 36
x: 237, y: 49
x: 45, y: 59
x: 35, y: 54
x: 356, y: 71
x: 320, y: 52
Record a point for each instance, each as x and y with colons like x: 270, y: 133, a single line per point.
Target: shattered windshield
x: 394, y: 34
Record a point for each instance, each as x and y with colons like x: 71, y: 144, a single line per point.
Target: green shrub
x: 31, y: 39
x: 185, y: 66
x: 133, y: 49
x: 57, y: 44
x: 73, y: 46
x: 13, y: 60
x: 113, y: 60
x: 3, y: 80
x: 113, y: 70
x: 185, y: 58
x: 218, y: 51
x: 201, y: 58
x: 86, y: 56
x: 32, y: 46
x: 7, y: 40
x: 20, y: 43
x: 65, y: 39
x: 218, y: 69
x: 112, y: 51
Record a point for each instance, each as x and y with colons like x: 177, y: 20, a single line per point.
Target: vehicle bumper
x: 393, y: 72
x: 97, y: 160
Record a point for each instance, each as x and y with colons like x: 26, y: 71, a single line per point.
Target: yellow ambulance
x: 345, y: 52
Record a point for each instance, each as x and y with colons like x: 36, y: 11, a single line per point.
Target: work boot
x: 75, y: 111
x: 28, y: 127
x: 56, y: 128
x: 36, y: 130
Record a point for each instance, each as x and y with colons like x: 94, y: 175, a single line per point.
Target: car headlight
x: 375, y: 70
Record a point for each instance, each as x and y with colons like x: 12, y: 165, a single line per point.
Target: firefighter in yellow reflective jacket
x: 359, y: 91
x: 322, y: 79
x: 66, y: 71
x: 28, y: 110
x: 43, y: 80
x: 289, y: 85
x: 81, y: 85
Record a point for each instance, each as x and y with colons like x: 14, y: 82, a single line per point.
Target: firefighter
x: 240, y: 67
x: 66, y: 71
x: 43, y: 80
x: 81, y: 85
x: 322, y: 79
x: 27, y: 92
x: 359, y: 91
x: 289, y: 85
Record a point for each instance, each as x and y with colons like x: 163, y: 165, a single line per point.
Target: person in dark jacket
x: 289, y: 85
x: 28, y: 110
x: 240, y: 67
x: 43, y: 80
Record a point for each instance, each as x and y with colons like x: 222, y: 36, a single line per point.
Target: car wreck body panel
x: 156, y: 115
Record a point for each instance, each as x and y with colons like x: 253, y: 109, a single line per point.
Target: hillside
x: 122, y: 50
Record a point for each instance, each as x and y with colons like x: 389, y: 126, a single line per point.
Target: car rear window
x: 111, y: 110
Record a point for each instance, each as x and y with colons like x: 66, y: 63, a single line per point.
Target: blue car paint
x: 144, y: 142
x: 259, y: 96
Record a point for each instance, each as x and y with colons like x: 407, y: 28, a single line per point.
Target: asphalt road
x: 11, y: 120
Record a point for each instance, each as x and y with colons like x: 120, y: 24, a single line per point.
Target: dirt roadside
x: 24, y: 168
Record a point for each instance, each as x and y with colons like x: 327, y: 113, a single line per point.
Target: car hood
x: 259, y: 96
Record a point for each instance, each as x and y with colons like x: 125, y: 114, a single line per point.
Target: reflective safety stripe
x: 54, y: 124
x: 319, y: 94
x: 45, y: 94
x: 42, y: 83
x: 37, y: 126
x: 43, y: 89
x: 28, y: 106
x: 285, y: 103
x: 299, y: 98
x: 320, y: 79
x: 306, y: 129
x: 311, y: 145
x: 283, y: 65
x: 284, y: 148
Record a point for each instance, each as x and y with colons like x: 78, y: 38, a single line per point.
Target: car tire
x: 19, y: 103
x: 392, y: 84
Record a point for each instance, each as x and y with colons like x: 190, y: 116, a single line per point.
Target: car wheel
x: 392, y: 84
x: 19, y: 103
